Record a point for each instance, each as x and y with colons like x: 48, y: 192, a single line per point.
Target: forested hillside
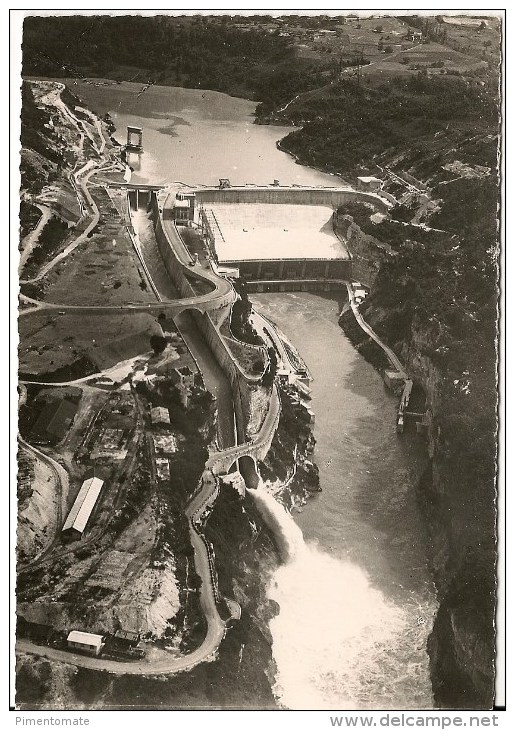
x: 199, y: 52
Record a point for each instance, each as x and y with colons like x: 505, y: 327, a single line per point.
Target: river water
x: 356, y: 600
x: 355, y: 594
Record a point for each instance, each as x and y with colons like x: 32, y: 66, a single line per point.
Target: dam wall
x: 332, y: 197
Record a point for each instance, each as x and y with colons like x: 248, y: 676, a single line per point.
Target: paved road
x: 62, y: 486
x: 366, y: 328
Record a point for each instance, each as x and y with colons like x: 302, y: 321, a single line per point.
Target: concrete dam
x: 278, y: 238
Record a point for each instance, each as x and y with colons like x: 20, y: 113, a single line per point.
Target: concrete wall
x: 238, y: 379
x: 296, y: 196
x: 280, y: 286
x: 367, y: 252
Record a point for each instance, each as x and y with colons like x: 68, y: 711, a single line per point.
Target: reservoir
x: 355, y: 594
x: 195, y: 136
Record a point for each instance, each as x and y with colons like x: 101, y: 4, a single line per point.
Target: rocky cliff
x: 434, y: 303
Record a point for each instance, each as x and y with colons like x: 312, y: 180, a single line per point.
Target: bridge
x: 256, y: 450
x: 289, y: 194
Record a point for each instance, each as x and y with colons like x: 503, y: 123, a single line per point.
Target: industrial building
x: 277, y: 242
x: 372, y: 184
x: 184, y: 208
x: 85, y: 642
x: 82, y: 509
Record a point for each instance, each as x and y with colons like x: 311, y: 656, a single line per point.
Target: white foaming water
x: 335, y: 639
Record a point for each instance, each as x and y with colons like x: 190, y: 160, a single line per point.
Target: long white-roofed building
x: 82, y: 508
x: 84, y: 641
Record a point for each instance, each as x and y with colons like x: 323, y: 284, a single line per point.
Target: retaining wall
x: 237, y: 377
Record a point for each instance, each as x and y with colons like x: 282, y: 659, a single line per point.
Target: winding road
x: 370, y: 332
x: 160, y: 661
x: 62, y: 484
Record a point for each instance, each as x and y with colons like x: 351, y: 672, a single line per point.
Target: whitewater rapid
x: 336, y: 639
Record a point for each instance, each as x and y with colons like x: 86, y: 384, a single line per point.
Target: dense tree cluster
x: 344, y: 130
x: 207, y: 53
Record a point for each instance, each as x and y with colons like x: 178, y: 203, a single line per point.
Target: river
x: 355, y: 594
x: 357, y: 602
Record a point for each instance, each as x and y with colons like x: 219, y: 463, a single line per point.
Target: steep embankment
x: 434, y: 301
x: 433, y: 273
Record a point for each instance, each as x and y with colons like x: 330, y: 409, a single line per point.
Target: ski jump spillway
x: 279, y: 234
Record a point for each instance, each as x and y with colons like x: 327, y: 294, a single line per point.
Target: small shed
x: 160, y: 416
x: 369, y: 183
x: 88, y: 643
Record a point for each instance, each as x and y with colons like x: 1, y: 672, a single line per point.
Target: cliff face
x: 367, y: 251
x: 454, y: 363
x: 288, y: 459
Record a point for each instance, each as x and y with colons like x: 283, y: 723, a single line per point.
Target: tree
x: 157, y: 343
x: 268, y: 377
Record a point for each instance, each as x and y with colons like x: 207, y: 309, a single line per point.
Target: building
x: 184, y: 208
x: 184, y: 380
x: 131, y: 637
x: 184, y: 376
x: 369, y: 184
x: 160, y: 416
x: 164, y: 443
x: 88, y: 643
x: 54, y: 421
x: 82, y: 509
x: 111, y: 445
x: 163, y: 469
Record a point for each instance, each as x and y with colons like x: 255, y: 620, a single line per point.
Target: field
x: 353, y: 37
x: 103, y: 270
x: 50, y: 341
x: 386, y: 48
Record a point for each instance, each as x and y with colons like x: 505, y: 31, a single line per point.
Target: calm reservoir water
x: 196, y: 136
x: 355, y: 594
